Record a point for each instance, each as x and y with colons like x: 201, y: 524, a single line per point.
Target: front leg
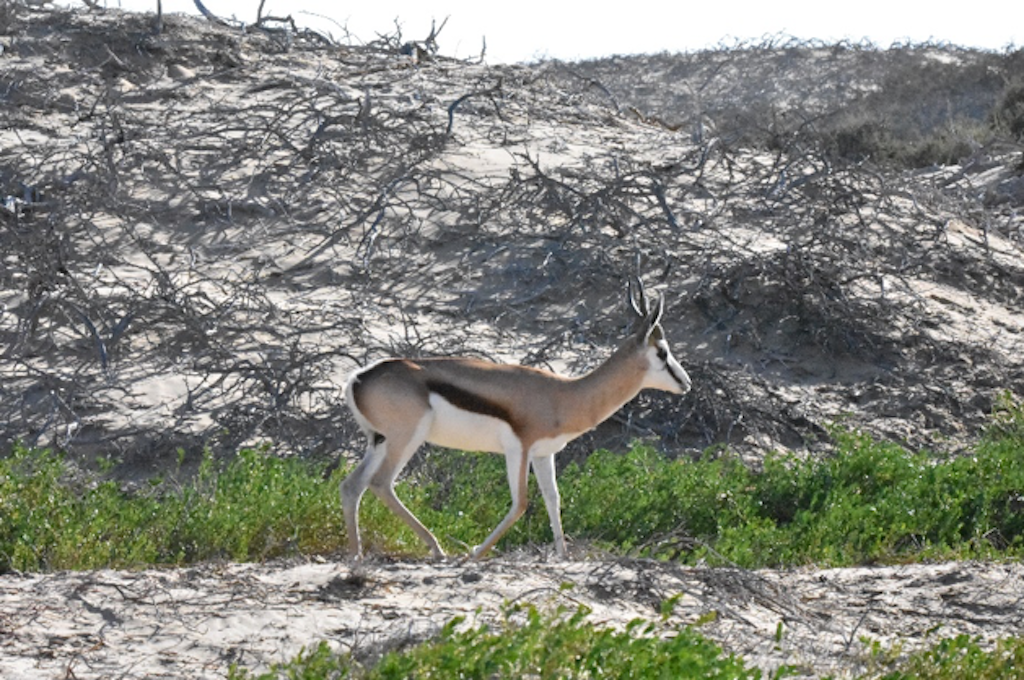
x: 544, y: 470
x: 517, y: 466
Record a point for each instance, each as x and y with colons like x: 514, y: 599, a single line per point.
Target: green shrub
x: 961, y: 657
x: 527, y: 643
x: 631, y: 500
x: 571, y: 647
x: 318, y: 663
x: 867, y: 501
x: 255, y: 507
x: 48, y: 522
x: 530, y: 644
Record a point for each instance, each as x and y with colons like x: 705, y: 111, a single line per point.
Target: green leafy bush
x: 866, y: 501
x: 257, y: 506
x: 957, y: 658
x: 528, y: 643
x: 49, y: 522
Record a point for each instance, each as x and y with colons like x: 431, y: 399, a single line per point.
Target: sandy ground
x: 196, y: 622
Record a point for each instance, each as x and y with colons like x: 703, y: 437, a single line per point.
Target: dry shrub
x: 248, y: 233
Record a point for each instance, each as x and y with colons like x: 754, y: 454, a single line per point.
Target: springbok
x: 526, y: 413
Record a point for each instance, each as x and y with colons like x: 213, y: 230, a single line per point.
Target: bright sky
x: 525, y: 30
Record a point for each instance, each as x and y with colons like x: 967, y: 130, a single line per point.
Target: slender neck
x: 601, y: 392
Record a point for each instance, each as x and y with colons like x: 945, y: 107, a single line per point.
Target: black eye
x: 662, y: 353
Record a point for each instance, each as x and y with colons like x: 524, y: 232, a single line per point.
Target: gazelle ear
x: 637, y: 297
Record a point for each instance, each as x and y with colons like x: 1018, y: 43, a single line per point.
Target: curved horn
x: 638, y: 298
x: 653, y: 319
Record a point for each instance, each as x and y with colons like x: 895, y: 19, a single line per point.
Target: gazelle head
x: 664, y: 372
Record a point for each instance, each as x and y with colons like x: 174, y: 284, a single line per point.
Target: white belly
x: 455, y: 428
x: 549, y: 447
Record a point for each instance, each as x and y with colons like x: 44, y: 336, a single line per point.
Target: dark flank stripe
x: 468, y: 401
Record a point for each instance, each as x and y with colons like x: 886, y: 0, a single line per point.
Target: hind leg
x: 354, y: 486
x: 400, y: 449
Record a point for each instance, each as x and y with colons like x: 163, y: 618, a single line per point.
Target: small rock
x: 123, y: 85
x: 179, y: 72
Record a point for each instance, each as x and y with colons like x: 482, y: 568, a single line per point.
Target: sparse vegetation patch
x: 528, y: 643
x: 867, y: 501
